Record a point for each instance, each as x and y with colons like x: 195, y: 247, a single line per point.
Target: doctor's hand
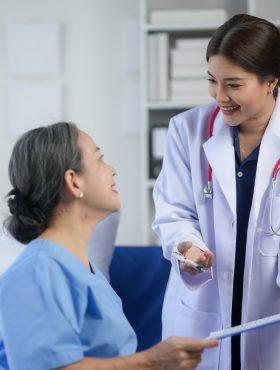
x: 203, y: 258
x: 177, y: 353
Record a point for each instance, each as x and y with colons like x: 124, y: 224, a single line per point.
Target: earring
x: 270, y: 92
x: 81, y: 194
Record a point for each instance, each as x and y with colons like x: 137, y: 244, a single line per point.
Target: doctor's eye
x: 211, y: 80
x: 234, y: 86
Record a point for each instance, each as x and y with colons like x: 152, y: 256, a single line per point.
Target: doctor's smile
x: 229, y: 110
x: 242, y: 96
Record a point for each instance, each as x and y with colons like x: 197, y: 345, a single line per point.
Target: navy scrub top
x: 245, y: 181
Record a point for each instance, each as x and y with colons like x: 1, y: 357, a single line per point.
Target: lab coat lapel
x: 268, y: 156
x: 219, y: 151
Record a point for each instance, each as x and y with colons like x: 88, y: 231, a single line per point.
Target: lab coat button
x: 239, y: 173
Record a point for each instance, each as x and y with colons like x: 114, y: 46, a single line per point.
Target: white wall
x: 94, y: 79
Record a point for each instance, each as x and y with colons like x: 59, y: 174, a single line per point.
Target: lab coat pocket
x: 269, y: 339
x: 199, y: 324
x: 269, y: 228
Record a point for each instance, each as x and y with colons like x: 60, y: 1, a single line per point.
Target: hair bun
x: 18, y: 205
x: 23, y: 209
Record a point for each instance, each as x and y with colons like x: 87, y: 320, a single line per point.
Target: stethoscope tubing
x: 210, y: 134
x: 208, y: 189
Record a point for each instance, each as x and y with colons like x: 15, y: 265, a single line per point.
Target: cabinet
x: 169, y: 28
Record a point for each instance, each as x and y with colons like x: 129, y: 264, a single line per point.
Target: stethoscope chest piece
x: 208, y: 191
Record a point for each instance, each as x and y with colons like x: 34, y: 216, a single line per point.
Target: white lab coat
x: 196, y: 305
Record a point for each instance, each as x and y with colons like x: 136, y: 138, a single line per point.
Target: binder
x: 157, y: 139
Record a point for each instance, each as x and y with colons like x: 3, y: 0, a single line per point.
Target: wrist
x: 139, y: 361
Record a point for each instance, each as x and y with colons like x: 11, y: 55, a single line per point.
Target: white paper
x: 33, y: 104
x: 158, y: 141
x: 33, y: 48
x: 253, y: 325
x: 131, y: 44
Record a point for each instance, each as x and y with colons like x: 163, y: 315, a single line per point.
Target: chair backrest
x: 139, y: 276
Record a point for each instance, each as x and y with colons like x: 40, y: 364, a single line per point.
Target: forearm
x: 173, y: 353
x: 138, y: 361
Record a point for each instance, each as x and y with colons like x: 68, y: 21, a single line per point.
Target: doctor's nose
x: 221, y: 95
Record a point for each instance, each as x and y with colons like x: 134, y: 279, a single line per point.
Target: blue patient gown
x: 53, y: 312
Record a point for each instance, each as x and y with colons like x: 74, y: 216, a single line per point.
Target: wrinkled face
x: 241, y: 96
x: 98, y: 182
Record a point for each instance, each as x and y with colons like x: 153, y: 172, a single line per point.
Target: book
x: 162, y: 66
x: 152, y: 67
x: 191, y: 99
x: 192, y: 43
x: 185, y: 57
x: 158, y: 50
x: 157, y: 139
x: 213, y: 16
x: 192, y: 70
x: 188, y: 85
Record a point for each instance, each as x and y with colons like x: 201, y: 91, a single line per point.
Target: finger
x: 209, y: 260
x: 199, y: 345
x: 184, y: 247
x: 185, y: 266
x: 190, y: 359
x: 190, y: 364
x: 202, y: 260
x: 208, y: 263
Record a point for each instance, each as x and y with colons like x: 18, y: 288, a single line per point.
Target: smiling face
x: 241, y: 96
x: 97, y: 179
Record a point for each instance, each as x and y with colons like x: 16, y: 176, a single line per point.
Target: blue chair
x: 139, y: 276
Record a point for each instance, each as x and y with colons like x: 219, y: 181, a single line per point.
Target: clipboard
x: 243, y: 328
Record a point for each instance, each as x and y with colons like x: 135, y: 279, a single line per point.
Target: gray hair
x: 38, y: 162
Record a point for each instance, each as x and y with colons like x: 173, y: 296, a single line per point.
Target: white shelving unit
x: 160, y: 111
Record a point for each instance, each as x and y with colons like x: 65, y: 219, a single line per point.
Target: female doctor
x: 215, y: 203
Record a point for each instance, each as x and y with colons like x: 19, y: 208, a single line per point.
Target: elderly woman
x: 57, y: 310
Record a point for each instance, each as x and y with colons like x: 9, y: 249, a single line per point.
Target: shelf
x: 159, y: 112
x: 165, y: 105
x: 179, y: 27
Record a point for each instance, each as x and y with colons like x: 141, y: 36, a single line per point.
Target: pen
x: 183, y: 259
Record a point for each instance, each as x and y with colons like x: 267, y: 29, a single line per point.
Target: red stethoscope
x: 274, y: 230
x: 208, y: 188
